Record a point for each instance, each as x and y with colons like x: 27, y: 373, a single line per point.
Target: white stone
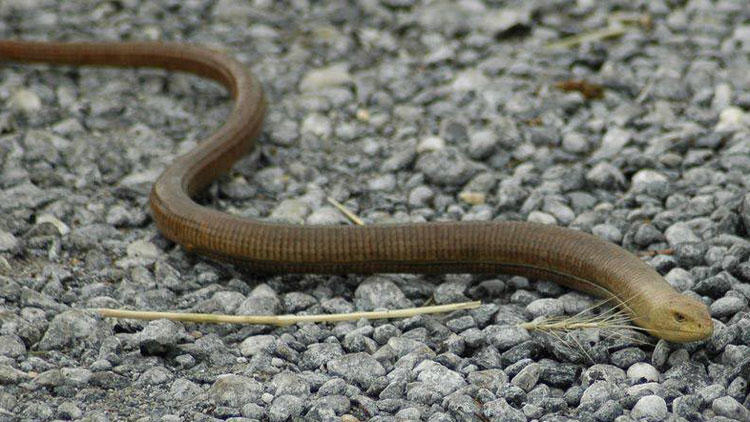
x: 652, y: 407
x: 643, y: 371
x: 430, y: 143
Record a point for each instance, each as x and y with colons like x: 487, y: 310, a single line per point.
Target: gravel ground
x: 402, y: 111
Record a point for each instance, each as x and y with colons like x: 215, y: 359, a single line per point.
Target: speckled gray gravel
x: 403, y: 111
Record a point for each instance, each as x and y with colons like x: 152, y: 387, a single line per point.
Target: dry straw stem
x: 283, y: 320
x: 618, y: 24
x: 350, y: 215
x: 614, y: 320
x: 612, y: 323
x: 599, y: 34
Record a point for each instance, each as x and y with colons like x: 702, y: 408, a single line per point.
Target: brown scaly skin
x: 574, y: 259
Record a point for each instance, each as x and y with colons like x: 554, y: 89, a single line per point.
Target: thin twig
x: 350, y: 215
x: 613, y: 322
x: 599, y: 34
x: 645, y: 91
x: 617, y: 24
x: 283, y: 320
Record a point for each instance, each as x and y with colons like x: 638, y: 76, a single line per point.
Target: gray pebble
x: 337, y: 404
x: 420, y: 196
x: 546, y: 307
x: 712, y: 392
x: 491, y: 379
x: 325, y: 216
x: 25, y: 195
x: 607, y: 232
x: 359, y: 368
x: 160, y: 336
x: 316, y: 124
x: 625, y: 358
x: 563, y: 214
x: 680, y: 279
x: 650, y: 407
x: 235, y: 390
x: 687, y: 406
x: 510, y: 194
x: 11, y: 375
x: 527, y: 377
x: 183, y: 389
x: 575, y: 302
x: 727, y: 306
x: 414, y: 414
x: 602, y: 372
x: 445, y: 167
x: 461, y: 324
x: 680, y: 233
x: 438, y: 378
x: 541, y: 218
x: 730, y: 408
x: 271, y: 179
x: 231, y: 10
x: 50, y: 378
x: 430, y: 143
x: 78, y: 377
x: 262, y: 301
x: 500, y: 410
x: 121, y: 216
x: 689, y: 254
x: 481, y: 183
x: 651, y: 183
x: 238, y: 188
x: 11, y: 346
x: 154, y: 376
x: 225, y: 302
x: 596, y: 394
x: 503, y: 337
x: 317, y: 79
x: 378, y: 292
x: 609, y: 411
x: 384, y: 183
x: 605, y: 175
x: 253, y: 345
x: 285, y: 407
x: 641, y: 371
x: 318, y: 354
x: 574, y: 142
x: 549, y: 288
x: 296, y: 301
x: 400, y: 159
x: 291, y: 211
x: 715, y: 286
x: 450, y: 292
x: 67, y: 328
x: 481, y: 144
x: 8, y: 242
x: 523, y: 297
x: 68, y: 410
x: 646, y: 235
x: 26, y: 101
x: 383, y: 333
x: 612, y: 142
x: 560, y: 375
x: 745, y: 210
x: 9, y: 289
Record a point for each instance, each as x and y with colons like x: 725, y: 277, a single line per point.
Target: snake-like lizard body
x: 571, y: 258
